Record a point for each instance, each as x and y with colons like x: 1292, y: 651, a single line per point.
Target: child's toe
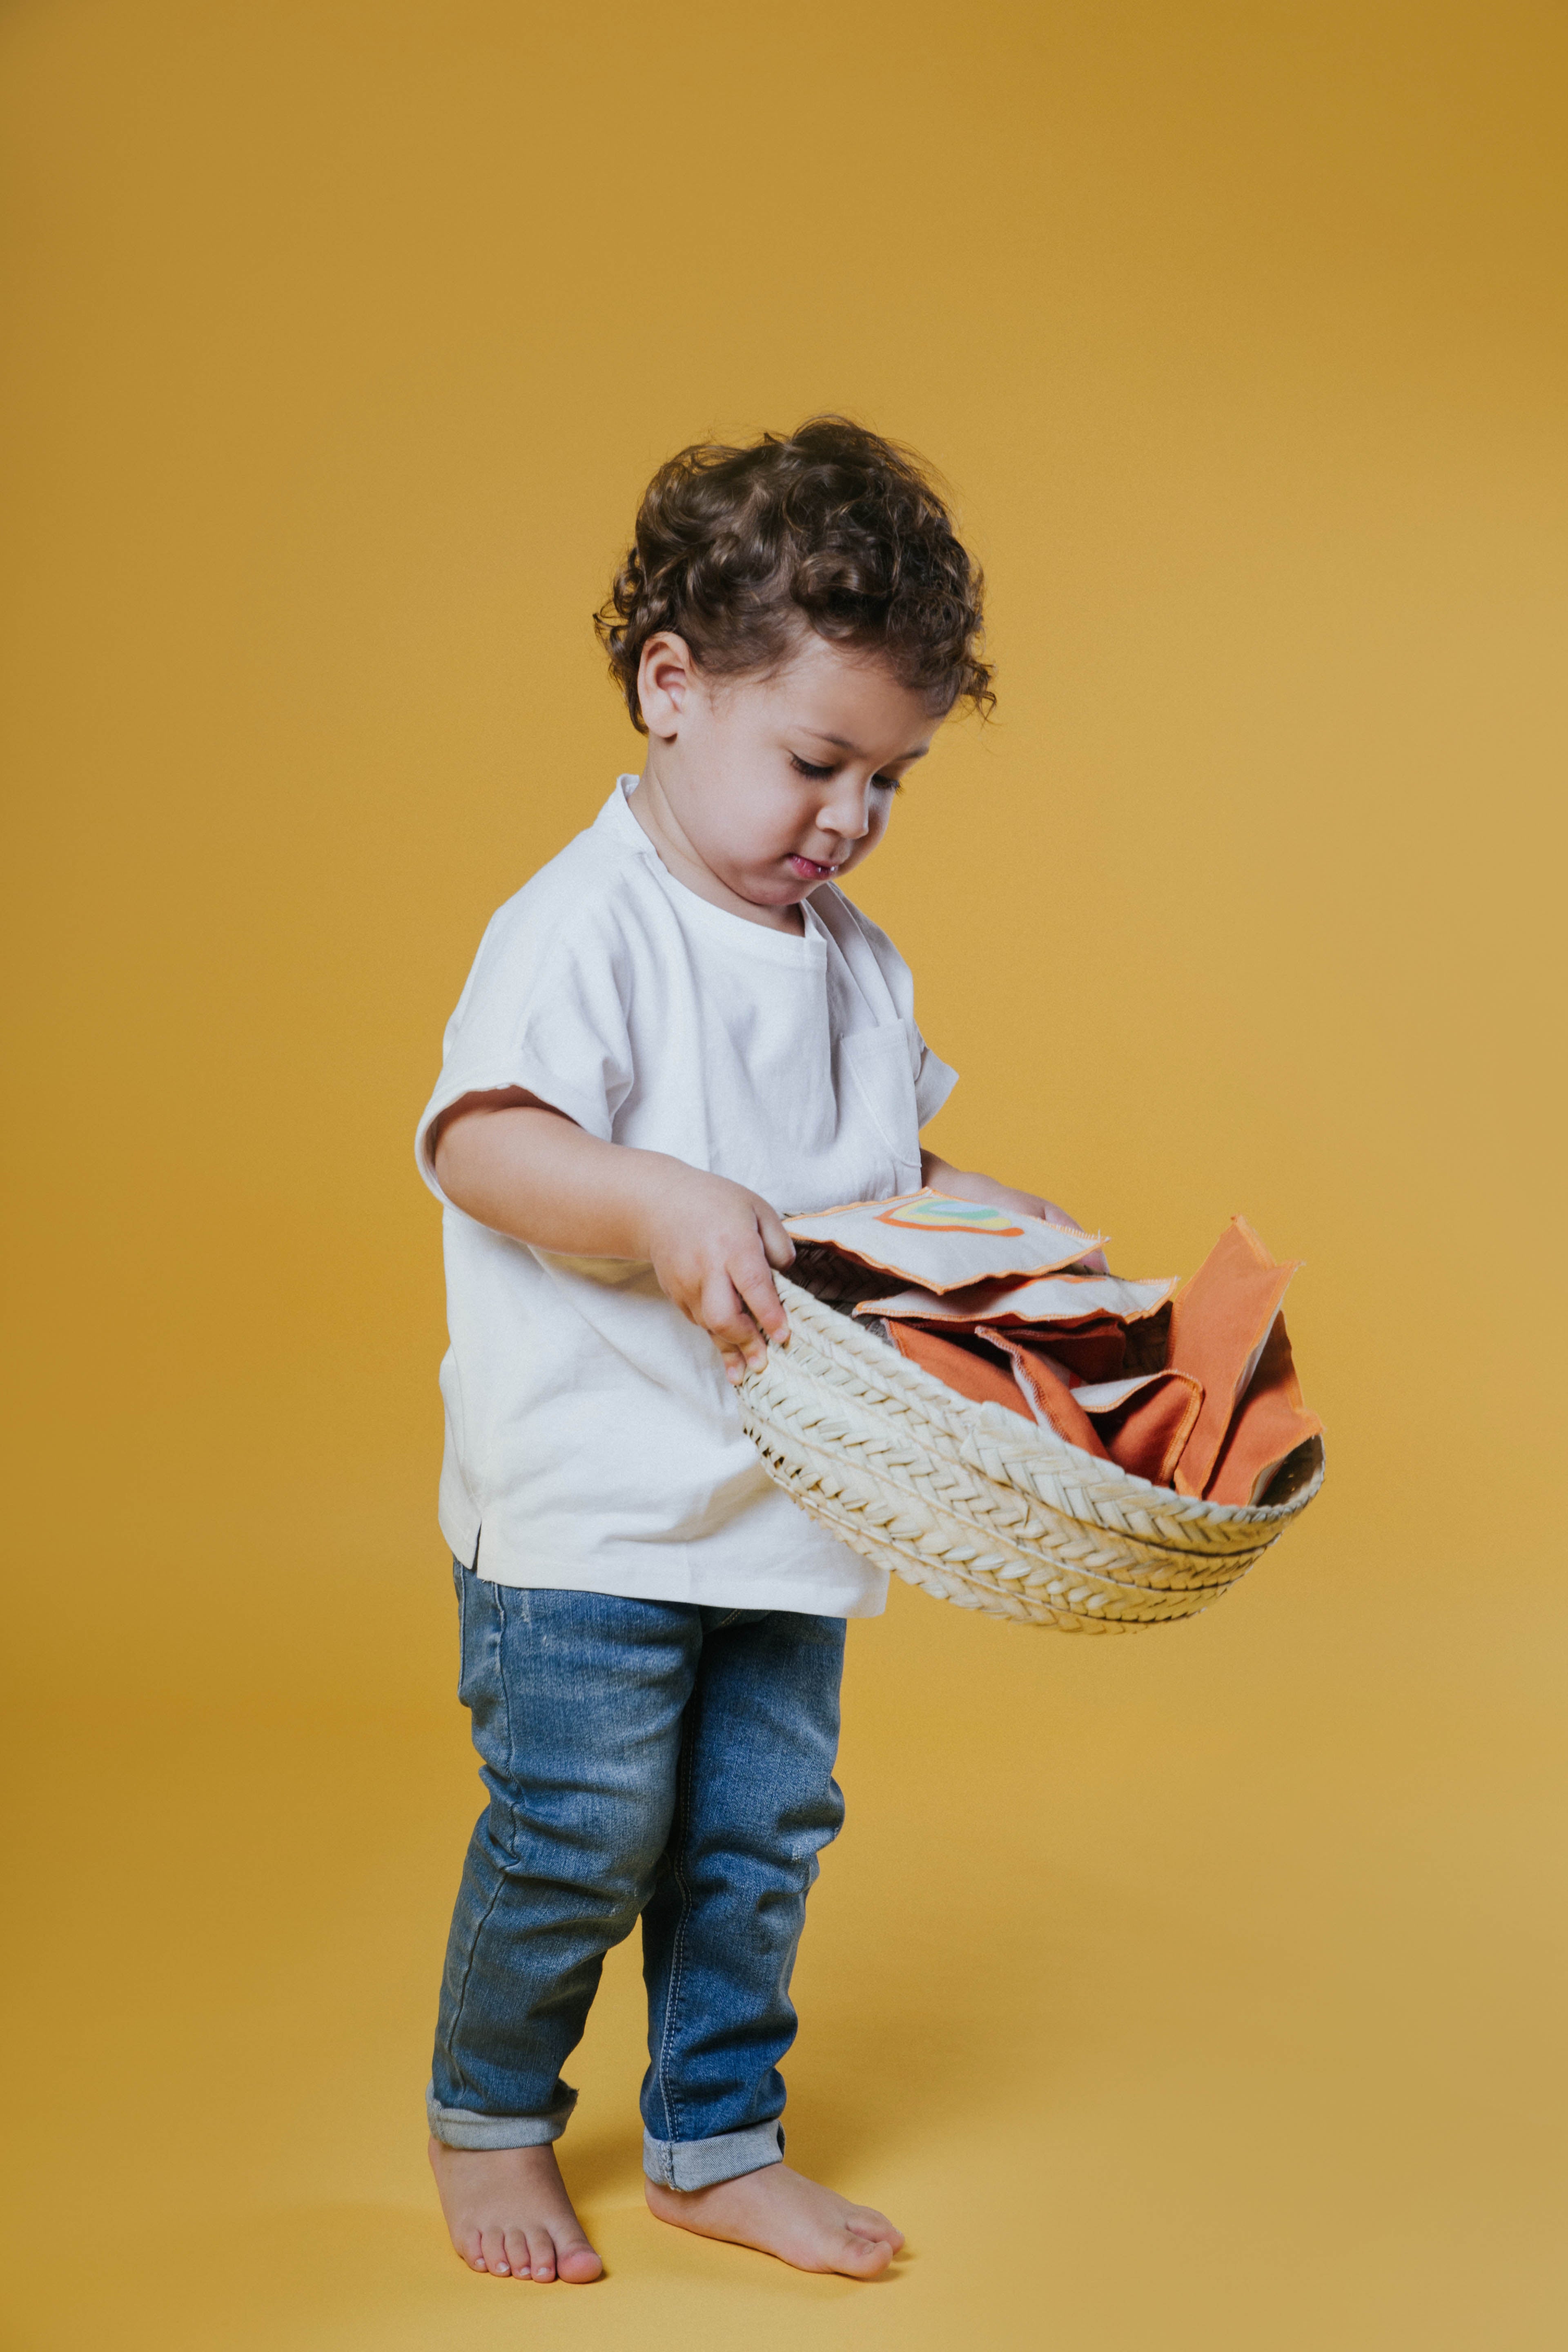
x: 519, y: 2253
x: 867, y: 2223
x: 492, y: 2246
x: 577, y: 2264
x: 541, y: 2254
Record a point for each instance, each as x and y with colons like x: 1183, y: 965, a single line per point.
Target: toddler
x: 678, y: 1029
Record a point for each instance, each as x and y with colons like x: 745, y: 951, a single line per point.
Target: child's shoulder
x: 578, y: 907
x: 591, y: 871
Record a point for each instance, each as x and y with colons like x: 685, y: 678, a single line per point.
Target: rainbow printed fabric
x: 942, y: 1243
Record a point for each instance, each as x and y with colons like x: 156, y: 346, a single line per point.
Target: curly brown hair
x: 828, y: 527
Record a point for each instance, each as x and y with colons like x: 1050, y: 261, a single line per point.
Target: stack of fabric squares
x: 1190, y: 1385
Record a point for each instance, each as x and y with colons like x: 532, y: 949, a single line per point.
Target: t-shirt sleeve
x: 934, y: 1081
x: 544, y: 1009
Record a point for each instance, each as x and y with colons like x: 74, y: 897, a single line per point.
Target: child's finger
x: 750, y: 1277
x: 776, y: 1241
x: 725, y: 1320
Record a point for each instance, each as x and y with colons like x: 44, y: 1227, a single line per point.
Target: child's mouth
x: 810, y: 871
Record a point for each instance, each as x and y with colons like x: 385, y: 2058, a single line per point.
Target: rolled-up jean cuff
x: 463, y: 2128
x: 699, y: 2163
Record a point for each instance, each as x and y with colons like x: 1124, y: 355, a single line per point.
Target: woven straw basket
x: 974, y: 1505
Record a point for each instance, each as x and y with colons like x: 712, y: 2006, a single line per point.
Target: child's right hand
x: 712, y: 1245
x: 518, y: 1166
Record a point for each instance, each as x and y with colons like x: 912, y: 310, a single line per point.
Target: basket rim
x: 1031, y: 1445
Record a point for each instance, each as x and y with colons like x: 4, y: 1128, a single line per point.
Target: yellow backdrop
x: 1192, y: 1990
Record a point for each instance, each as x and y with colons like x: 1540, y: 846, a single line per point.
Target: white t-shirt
x: 593, y: 1441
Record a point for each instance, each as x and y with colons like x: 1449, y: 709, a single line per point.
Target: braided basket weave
x: 977, y: 1506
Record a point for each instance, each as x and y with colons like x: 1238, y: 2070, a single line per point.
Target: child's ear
x: 665, y: 677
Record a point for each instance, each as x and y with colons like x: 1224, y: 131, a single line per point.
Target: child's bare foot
x: 782, y: 2212
x: 507, y: 2212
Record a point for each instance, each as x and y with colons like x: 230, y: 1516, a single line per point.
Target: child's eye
x: 819, y: 776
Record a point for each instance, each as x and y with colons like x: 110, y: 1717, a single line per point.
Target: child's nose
x: 848, y: 813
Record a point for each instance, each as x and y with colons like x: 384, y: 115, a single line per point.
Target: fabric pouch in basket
x: 1012, y: 1437
x: 941, y: 1243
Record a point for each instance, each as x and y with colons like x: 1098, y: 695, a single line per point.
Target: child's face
x: 774, y: 785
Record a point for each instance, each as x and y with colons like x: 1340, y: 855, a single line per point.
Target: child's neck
x: 650, y: 805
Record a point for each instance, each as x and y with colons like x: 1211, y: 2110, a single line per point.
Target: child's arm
x: 966, y: 1186
x: 513, y: 1163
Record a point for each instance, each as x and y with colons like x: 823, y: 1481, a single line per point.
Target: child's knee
x: 604, y: 1854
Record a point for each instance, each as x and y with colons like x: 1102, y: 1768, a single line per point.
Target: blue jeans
x: 643, y: 1758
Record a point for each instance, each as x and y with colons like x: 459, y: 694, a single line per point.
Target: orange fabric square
x: 1219, y: 1322
x: 1047, y: 1390
x: 965, y: 1370
x: 1089, y: 1351
x: 1270, y: 1424
x: 1147, y: 1433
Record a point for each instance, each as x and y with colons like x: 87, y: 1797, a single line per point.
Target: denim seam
x: 677, y: 1954
x: 463, y: 1989
x: 495, y: 1897
x: 499, y: 1591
